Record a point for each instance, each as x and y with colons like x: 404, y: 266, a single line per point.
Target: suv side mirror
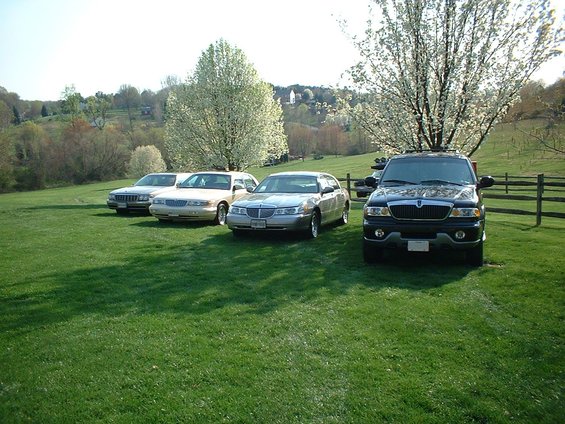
x: 371, y: 182
x: 485, y: 182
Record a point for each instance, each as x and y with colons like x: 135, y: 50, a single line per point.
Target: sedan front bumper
x: 275, y: 223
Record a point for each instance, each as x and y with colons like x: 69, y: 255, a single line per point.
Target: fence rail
x: 524, y: 188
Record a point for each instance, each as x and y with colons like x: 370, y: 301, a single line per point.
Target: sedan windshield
x: 208, y: 181
x: 288, y: 184
x: 157, y: 180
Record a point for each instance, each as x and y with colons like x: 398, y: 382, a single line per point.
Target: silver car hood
x: 279, y: 200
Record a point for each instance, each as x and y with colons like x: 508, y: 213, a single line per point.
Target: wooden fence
x: 540, y: 189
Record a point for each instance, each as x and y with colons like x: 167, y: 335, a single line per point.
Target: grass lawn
x: 108, y: 318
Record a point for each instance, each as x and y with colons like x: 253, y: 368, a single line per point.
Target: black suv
x: 426, y: 201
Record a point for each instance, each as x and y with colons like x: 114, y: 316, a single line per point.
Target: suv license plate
x: 258, y: 223
x: 418, y: 246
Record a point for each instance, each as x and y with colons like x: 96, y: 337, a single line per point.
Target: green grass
x: 108, y: 318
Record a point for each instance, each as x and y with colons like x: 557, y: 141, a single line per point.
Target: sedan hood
x: 142, y: 190
x: 196, y: 194
x: 447, y: 193
x: 279, y: 200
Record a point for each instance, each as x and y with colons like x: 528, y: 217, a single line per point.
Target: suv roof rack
x: 439, y: 150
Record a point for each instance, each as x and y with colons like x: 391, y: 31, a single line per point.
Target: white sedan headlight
x: 199, y: 203
x: 158, y: 201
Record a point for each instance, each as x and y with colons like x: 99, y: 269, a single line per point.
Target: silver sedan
x: 291, y: 201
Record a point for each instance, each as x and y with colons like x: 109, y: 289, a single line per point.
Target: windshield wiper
x: 399, y: 182
x: 440, y: 182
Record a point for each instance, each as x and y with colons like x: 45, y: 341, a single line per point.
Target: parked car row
x: 286, y: 201
x: 419, y: 202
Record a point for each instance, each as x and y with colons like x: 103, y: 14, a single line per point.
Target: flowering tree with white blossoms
x: 439, y: 74
x: 223, y: 116
x: 145, y: 160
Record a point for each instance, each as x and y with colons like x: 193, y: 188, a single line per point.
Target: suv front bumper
x: 438, y: 235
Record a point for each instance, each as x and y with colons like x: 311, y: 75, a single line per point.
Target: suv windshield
x: 409, y: 171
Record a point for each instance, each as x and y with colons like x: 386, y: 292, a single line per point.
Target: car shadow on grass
x: 253, y: 275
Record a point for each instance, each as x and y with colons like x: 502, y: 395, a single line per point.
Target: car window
x: 417, y: 170
x: 157, y: 180
x: 248, y: 182
x: 208, y: 181
x: 332, y: 182
x: 288, y: 184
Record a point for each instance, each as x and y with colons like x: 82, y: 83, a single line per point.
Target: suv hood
x: 447, y: 193
x: 280, y: 200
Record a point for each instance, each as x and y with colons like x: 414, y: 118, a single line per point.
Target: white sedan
x: 204, y: 196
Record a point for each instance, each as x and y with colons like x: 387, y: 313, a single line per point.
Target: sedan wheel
x: 221, y: 214
x: 314, y: 227
x: 344, y: 215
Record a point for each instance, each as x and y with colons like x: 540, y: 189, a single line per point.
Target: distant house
x: 146, y: 111
x: 292, y: 97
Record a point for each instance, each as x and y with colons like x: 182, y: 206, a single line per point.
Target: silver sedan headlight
x: 158, y: 201
x: 296, y: 210
x: 236, y: 210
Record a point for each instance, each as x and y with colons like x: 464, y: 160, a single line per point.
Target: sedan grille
x: 260, y: 212
x: 424, y: 212
x: 126, y: 197
x: 175, y: 203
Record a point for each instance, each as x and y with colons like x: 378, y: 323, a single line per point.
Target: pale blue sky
x: 98, y: 45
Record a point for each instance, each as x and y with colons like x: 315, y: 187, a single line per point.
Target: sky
x: 99, y: 45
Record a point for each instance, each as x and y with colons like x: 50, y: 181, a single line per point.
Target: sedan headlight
x: 376, y: 211
x: 465, y: 213
x: 158, y: 201
x: 236, y: 210
x: 296, y: 210
x: 199, y: 203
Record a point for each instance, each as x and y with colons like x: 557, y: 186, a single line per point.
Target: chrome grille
x: 260, y: 212
x: 175, y: 203
x: 425, y: 212
x: 126, y: 197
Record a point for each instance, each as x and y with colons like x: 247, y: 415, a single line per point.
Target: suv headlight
x: 465, y: 213
x: 111, y: 197
x: 236, y: 210
x: 376, y: 211
x: 143, y: 197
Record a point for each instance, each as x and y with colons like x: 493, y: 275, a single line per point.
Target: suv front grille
x: 260, y: 212
x: 424, y: 212
x: 126, y: 197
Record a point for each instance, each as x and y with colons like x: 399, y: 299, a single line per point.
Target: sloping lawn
x: 107, y: 318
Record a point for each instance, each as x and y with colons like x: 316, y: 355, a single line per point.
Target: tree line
x: 432, y: 75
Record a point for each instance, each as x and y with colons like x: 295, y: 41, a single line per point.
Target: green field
x: 108, y: 318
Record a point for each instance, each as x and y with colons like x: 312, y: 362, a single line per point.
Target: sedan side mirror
x: 327, y: 190
x: 485, y: 182
x: 238, y: 187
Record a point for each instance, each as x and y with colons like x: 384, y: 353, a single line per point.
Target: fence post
x: 506, y: 181
x: 539, y: 199
x: 349, y: 183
